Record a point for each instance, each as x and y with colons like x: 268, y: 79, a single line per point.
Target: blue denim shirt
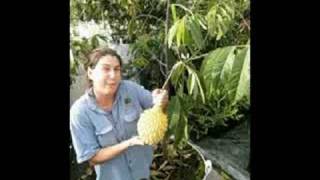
x: 93, y: 128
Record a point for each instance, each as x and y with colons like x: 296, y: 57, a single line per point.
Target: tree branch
x: 149, y: 16
x: 197, y: 57
x: 166, y: 39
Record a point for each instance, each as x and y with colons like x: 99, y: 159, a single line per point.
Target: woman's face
x: 106, y: 75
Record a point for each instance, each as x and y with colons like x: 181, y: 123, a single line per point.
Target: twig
x: 197, y: 57
x: 166, y: 44
x: 150, y: 16
x: 166, y: 38
x: 161, y: 70
x: 161, y: 63
x: 157, y: 59
x: 184, y: 8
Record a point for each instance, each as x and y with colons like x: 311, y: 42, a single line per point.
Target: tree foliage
x: 202, y: 48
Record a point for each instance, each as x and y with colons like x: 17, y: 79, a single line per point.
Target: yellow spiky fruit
x: 152, y: 125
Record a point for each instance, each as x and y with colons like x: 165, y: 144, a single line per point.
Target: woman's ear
x: 90, y: 72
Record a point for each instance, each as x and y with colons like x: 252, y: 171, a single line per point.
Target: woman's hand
x: 160, y: 97
x: 110, y: 152
x: 135, y: 140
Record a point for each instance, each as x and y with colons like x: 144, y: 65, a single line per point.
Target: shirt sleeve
x: 83, y: 136
x: 144, y: 96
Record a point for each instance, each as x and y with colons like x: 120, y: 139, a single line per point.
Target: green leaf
x: 213, y: 3
x: 191, y: 82
x: 220, y: 32
x: 201, y: 20
x: 227, y: 66
x: 186, y: 133
x: 177, y: 72
x: 174, y: 14
x: 180, y: 88
x: 182, y: 30
x: 240, y: 75
x: 178, y: 35
x: 223, y: 23
x: 174, y: 109
x: 229, y: 9
x: 216, y: 67
x: 194, y: 27
x: 224, y: 27
x: 94, y: 41
x: 211, y: 21
x: 219, y: 18
x: 172, y: 32
x: 187, y: 39
x: 201, y: 89
x: 140, y: 62
x: 195, y: 93
x: 131, y: 27
x: 194, y: 74
x: 179, y: 133
x: 183, y: 7
x: 181, y: 130
x: 225, y: 14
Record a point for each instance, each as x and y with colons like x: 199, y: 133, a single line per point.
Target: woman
x: 103, y: 122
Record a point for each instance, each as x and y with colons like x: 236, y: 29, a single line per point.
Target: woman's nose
x: 112, y: 73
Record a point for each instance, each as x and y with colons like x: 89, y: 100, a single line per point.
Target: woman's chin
x: 110, y: 90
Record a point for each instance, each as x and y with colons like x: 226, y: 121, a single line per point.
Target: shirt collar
x: 92, y: 103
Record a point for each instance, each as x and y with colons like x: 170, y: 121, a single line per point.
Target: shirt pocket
x: 131, y: 117
x: 105, y: 132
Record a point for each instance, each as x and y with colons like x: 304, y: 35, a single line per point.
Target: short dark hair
x: 95, y: 55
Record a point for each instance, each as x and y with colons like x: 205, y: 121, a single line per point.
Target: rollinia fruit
x: 152, y: 125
